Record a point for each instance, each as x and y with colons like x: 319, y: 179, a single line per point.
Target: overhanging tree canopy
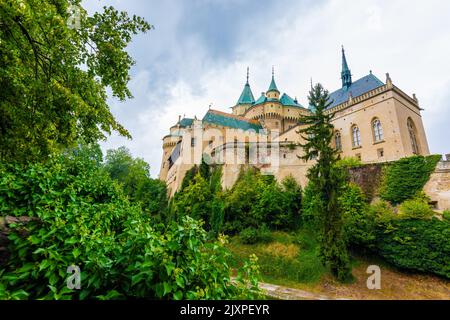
x: 56, y: 63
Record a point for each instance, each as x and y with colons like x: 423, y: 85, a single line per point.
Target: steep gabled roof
x: 231, y: 121
x: 356, y: 89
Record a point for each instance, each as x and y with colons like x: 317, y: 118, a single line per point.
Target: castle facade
x: 374, y: 121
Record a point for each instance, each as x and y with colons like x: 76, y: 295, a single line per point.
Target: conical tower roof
x: 246, y: 95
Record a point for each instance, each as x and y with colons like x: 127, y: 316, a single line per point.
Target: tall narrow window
x: 377, y: 130
x: 338, y: 141
x: 412, y: 136
x: 356, y: 134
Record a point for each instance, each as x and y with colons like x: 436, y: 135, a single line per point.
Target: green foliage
x: 415, y: 244
x: 256, y: 199
x: 349, y: 162
x: 409, y: 240
x: 292, y: 257
x: 83, y: 218
x: 189, y: 177
x: 195, y: 201
x: 446, y: 215
x: 326, y: 181
x: 54, y: 77
x: 359, y: 227
x: 293, y: 196
x: 311, y: 207
x: 415, y: 208
x: 407, y: 176
x: 134, y: 175
x: 252, y: 235
x: 383, y: 213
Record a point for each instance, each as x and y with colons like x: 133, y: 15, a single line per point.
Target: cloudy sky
x: 198, y: 53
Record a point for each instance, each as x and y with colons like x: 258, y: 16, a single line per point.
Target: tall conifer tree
x: 327, y: 180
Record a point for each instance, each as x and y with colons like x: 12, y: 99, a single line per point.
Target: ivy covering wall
x: 402, y: 179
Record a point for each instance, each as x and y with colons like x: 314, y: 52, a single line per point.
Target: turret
x: 273, y: 92
x: 246, y: 99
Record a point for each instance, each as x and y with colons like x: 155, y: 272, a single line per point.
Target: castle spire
x: 246, y: 95
x: 273, y: 86
x: 247, y: 74
x: 346, y: 74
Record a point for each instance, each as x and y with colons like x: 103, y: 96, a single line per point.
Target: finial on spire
x: 247, y: 73
x: 273, y: 86
x: 311, y: 83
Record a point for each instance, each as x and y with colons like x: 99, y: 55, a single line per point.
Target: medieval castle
x: 374, y: 121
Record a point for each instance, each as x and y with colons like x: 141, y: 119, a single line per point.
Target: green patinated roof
x: 273, y: 86
x: 246, y: 95
x: 230, y: 121
x: 289, y: 102
x: 261, y: 99
x: 186, y: 122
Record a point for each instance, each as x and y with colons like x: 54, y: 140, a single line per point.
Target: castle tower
x: 169, y: 143
x: 245, y: 101
x: 273, y: 110
x: 273, y: 92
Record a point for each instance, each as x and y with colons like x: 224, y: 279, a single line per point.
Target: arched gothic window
x: 356, y: 136
x: 413, y: 136
x: 377, y: 130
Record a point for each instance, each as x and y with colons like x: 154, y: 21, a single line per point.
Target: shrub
x: 407, y: 176
x: 359, y: 224
x: 415, y: 244
x: 383, y: 212
x: 256, y: 199
x: 446, y: 215
x: 349, y: 162
x: 83, y: 218
x: 415, y: 208
x: 252, y: 235
x: 194, y: 201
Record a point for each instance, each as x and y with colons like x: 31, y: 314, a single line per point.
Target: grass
x: 291, y: 260
x: 291, y: 257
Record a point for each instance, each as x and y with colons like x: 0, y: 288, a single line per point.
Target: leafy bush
x: 407, y: 176
x: 359, y: 227
x: 415, y: 208
x: 311, y: 205
x: 252, y: 235
x: 194, y: 201
x: 382, y: 212
x: 349, y: 162
x: 84, y: 218
x: 134, y: 175
x: 256, y: 199
x: 415, y: 244
x: 446, y: 215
